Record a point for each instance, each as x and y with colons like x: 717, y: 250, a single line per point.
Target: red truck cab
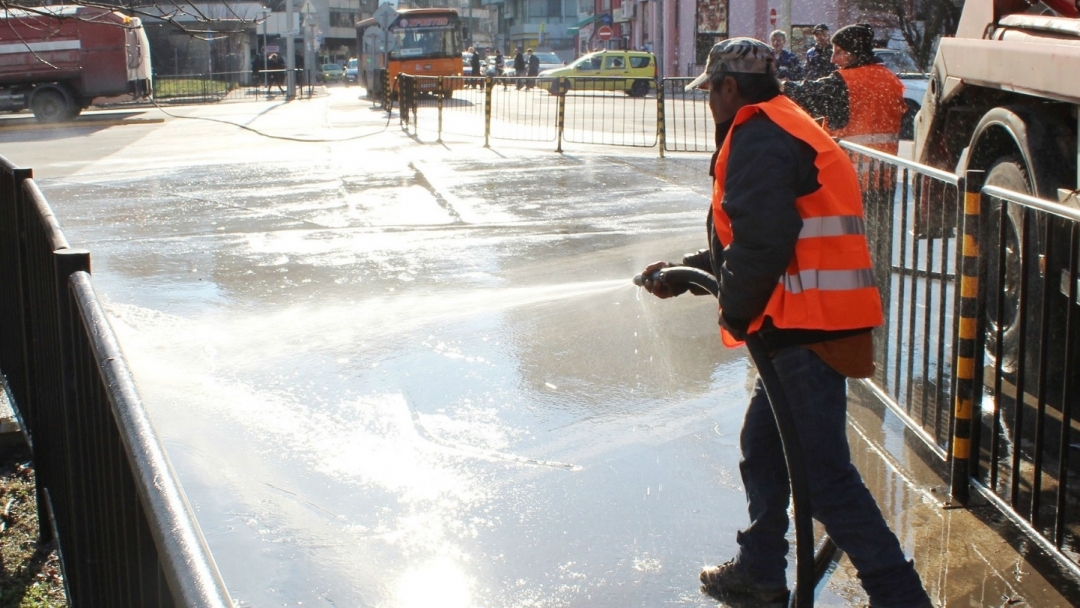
x: 55, y: 60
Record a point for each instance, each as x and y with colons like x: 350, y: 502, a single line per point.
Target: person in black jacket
x: 534, y: 68
x: 774, y: 209
x: 474, y: 63
x: 819, y: 58
x: 519, y: 68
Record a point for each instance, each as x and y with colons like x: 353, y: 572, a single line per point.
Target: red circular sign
x: 772, y: 16
x: 604, y: 33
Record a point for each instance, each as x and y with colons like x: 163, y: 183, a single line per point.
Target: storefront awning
x: 573, y: 29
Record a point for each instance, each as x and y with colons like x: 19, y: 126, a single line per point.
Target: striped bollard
x: 967, y: 340
x: 661, y: 128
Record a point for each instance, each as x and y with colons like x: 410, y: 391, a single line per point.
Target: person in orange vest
x: 787, y: 245
x: 862, y: 102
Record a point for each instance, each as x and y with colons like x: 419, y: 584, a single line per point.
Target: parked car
x: 915, y: 82
x: 549, y: 61
x: 352, y: 72
x: 633, y: 72
x: 333, y: 72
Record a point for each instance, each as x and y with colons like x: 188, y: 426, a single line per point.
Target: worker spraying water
x: 788, y: 249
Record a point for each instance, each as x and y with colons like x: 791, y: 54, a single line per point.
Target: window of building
x: 343, y: 18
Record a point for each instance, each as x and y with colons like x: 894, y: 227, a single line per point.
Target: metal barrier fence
x: 106, y: 491
x: 210, y: 88
x: 584, y: 110
x: 977, y: 354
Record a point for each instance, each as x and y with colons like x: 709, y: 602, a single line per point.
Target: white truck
x: 1003, y: 99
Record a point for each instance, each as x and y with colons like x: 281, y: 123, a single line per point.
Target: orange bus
x: 421, y: 42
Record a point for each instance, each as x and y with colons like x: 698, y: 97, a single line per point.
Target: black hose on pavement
x: 809, y: 568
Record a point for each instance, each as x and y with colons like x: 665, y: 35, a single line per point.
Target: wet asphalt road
x: 403, y: 375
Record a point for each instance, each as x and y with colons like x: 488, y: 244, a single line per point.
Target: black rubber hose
x: 808, y: 567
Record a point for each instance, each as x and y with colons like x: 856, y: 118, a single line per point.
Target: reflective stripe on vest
x: 829, y: 283
x: 827, y: 280
x: 834, y: 225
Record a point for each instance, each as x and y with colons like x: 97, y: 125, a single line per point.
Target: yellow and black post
x: 660, y: 127
x: 415, y: 92
x: 487, y: 110
x: 967, y: 334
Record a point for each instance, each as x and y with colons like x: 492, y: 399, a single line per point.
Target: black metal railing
x: 106, y: 490
x: 1026, y: 439
x: 982, y: 333
x: 910, y: 216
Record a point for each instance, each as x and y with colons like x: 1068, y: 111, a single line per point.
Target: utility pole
x: 658, y: 40
x: 266, y: 76
x: 785, y: 19
x: 290, y: 52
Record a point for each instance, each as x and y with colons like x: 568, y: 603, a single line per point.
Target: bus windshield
x: 426, y: 37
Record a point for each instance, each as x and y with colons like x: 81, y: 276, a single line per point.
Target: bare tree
x: 920, y: 22
x: 200, y: 19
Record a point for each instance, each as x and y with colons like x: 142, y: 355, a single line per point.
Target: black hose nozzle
x: 675, y: 276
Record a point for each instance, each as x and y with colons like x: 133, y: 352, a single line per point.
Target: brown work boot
x: 727, y: 582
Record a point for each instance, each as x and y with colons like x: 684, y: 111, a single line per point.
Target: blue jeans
x: 817, y: 396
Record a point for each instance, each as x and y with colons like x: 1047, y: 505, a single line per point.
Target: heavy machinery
x: 55, y: 60
x: 1004, y: 92
x: 1003, y: 99
x: 1001, y: 109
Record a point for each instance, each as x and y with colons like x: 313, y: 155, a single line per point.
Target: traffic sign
x: 385, y: 15
x: 604, y: 33
x: 772, y: 16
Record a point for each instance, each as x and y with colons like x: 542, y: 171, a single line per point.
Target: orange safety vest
x: 829, y: 283
x: 875, y: 106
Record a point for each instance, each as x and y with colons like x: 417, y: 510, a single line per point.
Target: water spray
x: 809, y: 566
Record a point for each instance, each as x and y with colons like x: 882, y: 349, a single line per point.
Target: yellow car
x: 631, y: 71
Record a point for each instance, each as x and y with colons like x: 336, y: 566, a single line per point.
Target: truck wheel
x: 51, y: 105
x: 1010, y: 172
x: 640, y: 88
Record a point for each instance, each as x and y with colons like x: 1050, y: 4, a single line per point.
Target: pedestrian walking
x: 500, y: 62
x: 519, y: 68
x: 788, y: 66
x: 474, y: 64
x: 788, y: 249
x: 819, y: 57
x: 534, y: 68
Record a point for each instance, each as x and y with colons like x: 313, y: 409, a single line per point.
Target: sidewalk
x: 966, y: 557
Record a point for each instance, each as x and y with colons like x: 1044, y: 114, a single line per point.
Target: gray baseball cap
x: 738, y: 55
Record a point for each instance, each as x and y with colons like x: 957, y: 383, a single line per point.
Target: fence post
x: 967, y: 332
x: 661, y: 126
x: 388, y: 94
x: 560, y: 114
x: 73, y: 539
x: 439, y: 87
x: 415, y: 90
x: 487, y: 111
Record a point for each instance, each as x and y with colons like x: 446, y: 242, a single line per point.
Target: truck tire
x: 1010, y: 173
x: 52, y: 105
